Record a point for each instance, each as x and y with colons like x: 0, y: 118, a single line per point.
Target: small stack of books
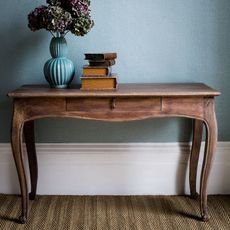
x: 98, y: 74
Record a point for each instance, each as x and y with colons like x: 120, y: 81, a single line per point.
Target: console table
x: 129, y: 102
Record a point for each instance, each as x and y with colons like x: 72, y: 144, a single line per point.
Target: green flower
x: 81, y: 25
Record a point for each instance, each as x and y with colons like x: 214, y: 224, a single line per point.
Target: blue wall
x: 156, y: 41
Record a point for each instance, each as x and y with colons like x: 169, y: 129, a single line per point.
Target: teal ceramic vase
x: 59, y: 70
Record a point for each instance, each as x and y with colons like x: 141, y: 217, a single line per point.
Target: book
x: 101, y: 62
x: 100, y: 56
x: 102, y: 83
x: 96, y: 70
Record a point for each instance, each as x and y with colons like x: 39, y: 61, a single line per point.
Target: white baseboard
x: 115, y: 169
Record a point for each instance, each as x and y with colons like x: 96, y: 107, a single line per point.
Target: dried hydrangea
x: 35, y: 18
x: 62, y: 16
x: 56, y: 19
x: 78, y: 8
x: 81, y: 25
x: 54, y: 2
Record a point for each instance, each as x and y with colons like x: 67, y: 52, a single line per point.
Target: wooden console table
x: 129, y: 102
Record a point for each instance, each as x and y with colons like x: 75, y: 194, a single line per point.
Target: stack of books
x: 98, y: 74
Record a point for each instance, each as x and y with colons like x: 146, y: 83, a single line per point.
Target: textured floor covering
x: 115, y: 213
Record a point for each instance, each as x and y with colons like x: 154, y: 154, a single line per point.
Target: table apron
x: 112, y: 108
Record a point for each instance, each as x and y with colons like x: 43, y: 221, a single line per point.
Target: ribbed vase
x: 59, y: 70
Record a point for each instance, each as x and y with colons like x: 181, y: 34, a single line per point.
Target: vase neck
x: 59, y: 35
x: 58, y: 47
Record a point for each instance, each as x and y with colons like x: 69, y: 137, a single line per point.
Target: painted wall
x: 156, y: 41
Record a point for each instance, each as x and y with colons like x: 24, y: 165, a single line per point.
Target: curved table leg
x: 195, y: 152
x: 210, y: 145
x: 32, y: 157
x: 16, y: 143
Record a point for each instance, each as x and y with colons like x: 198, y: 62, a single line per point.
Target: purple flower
x: 35, y: 18
x: 62, y: 16
x: 77, y: 8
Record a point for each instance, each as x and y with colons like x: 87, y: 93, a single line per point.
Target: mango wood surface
x: 129, y: 102
x: 150, y: 89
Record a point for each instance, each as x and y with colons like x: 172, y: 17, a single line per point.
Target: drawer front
x: 88, y: 104
x: 121, y: 104
x: 138, y: 104
x: 43, y: 105
x: 184, y: 106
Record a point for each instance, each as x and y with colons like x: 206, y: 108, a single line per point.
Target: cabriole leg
x: 32, y: 157
x: 195, y: 152
x: 210, y: 146
x: 16, y: 142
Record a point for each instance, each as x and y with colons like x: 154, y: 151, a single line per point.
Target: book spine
x: 101, y: 63
x: 97, y: 71
x: 102, y: 56
x: 99, y: 83
x: 112, y: 75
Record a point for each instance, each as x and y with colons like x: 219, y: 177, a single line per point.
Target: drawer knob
x: 113, y: 103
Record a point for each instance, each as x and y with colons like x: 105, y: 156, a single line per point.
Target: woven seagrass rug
x: 115, y: 213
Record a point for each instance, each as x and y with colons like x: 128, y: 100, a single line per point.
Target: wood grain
x: 195, y: 152
x: 32, y: 157
x: 185, y: 89
x: 129, y: 102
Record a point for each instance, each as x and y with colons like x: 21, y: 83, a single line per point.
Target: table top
x: 132, y: 89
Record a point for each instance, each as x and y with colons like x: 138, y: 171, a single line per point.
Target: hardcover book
x: 100, y: 56
x: 102, y: 83
x: 96, y: 70
x: 101, y: 62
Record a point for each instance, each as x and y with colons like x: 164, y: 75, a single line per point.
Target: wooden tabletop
x: 147, y: 89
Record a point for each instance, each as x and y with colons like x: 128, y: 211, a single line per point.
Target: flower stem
x: 52, y: 34
x: 66, y: 32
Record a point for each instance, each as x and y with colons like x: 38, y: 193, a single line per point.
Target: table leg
x: 32, y: 157
x: 16, y: 142
x: 210, y: 145
x: 195, y: 152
